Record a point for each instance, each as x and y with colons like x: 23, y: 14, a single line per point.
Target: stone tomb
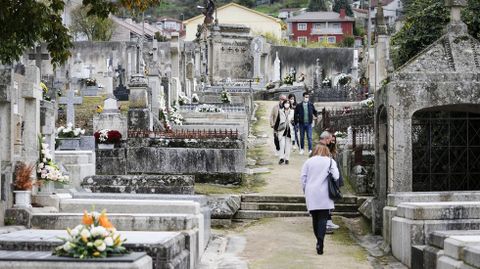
x: 79, y: 164
x: 394, y: 200
x: 448, y: 250
x: 414, y: 222
x: 166, y: 249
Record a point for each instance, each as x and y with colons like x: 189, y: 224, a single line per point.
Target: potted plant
x: 23, y: 184
x: 195, y: 98
x: 48, y: 171
x: 225, y: 97
x: 94, y: 238
x: 106, y: 139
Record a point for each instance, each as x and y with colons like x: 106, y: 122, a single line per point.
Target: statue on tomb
x: 208, y: 11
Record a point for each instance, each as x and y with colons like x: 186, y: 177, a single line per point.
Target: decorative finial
x: 456, y: 7
x: 380, y: 24
x: 456, y: 24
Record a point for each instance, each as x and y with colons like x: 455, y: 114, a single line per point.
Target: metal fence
x: 185, y: 134
x: 363, y: 136
x: 225, y: 107
x: 339, y: 94
x: 341, y: 119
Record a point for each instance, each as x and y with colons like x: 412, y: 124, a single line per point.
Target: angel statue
x: 208, y: 10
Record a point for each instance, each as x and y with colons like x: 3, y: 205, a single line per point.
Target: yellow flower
x: 96, y: 254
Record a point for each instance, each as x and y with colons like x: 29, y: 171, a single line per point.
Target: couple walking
x: 287, y: 119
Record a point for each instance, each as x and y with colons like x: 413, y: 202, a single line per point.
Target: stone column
x: 139, y: 114
x: 47, y: 123
x: 32, y: 94
x: 6, y: 143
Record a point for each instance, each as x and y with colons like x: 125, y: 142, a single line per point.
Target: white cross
x: 71, y: 100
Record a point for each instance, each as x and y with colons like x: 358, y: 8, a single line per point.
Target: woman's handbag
x: 333, y: 189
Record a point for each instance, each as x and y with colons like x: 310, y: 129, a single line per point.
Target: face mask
x: 286, y: 106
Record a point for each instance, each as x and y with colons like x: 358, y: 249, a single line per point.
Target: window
x: 321, y: 25
x: 301, y: 26
x: 322, y: 39
x: 302, y: 39
x: 335, y: 25
x: 332, y: 39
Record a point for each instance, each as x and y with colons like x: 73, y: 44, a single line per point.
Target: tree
x: 246, y: 3
x: 317, y: 5
x: 93, y: 27
x: 339, y: 4
x: 424, y: 24
x: 26, y: 23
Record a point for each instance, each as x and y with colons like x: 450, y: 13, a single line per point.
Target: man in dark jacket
x: 304, y: 113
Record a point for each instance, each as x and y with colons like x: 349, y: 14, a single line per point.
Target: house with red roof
x: 332, y: 27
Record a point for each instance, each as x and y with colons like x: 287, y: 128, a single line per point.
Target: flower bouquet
x: 344, y: 79
x: 106, y: 136
x: 47, y: 169
x: 90, y: 82
x: 195, y: 98
x: 94, y: 238
x: 327, y: 82
x: 69, y: 131
x: 44, y: 91
x: 183, y: 100
x: 288, y: 79
x: 23, y: 184
x: 340, y: 134
x: 225, y: 97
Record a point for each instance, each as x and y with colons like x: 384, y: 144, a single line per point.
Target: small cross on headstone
x: 38, y: 56
x: 90, y: 69
x: 70, y: 100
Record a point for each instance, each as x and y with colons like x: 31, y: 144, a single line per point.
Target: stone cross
x: 38, y: 56
x: 70, y: 101
x: 90, y: 69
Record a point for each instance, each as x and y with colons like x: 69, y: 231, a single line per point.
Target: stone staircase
x: 274, y: 206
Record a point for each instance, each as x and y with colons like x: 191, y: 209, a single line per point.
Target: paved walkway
x: 282, y: 243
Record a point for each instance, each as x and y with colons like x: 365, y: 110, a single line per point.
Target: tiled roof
x: 374, y: 3
x: 319, y: 17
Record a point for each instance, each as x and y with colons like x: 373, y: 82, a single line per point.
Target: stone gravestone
x: 70, y: 100
x: 121, y: 92
x: 91, y: 90
x: 139, y: 115
x: 111, y: 118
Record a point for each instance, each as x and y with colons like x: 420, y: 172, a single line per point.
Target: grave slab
x: 448, y: 263
x: 45, y: 260
x: 471, y: 256
x: 439, y: 210
x: 167, y: 249
x: 398, y: 198
x: 454, y: 245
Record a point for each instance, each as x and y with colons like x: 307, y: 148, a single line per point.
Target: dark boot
x: 281, y: 161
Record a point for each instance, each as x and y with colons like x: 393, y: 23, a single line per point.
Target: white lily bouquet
x: 94, y: 238
x: 47, y: 169
x: 69, y: 131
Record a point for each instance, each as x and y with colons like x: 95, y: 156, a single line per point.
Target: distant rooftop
x: 319, y: 17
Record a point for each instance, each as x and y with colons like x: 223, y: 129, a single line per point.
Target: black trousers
x: 319, y: 219
x: 276, y: 141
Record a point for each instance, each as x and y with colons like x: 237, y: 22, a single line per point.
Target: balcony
x: 327, y: 31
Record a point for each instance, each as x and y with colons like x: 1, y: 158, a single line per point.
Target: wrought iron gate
x: 446, y: 151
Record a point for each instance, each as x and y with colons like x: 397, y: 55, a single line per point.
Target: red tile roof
x: 319, y: 17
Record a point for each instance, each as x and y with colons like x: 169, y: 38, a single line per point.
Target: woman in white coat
x: 286, y: 132
x: 315, y: 187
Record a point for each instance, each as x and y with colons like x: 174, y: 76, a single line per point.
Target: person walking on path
x: 315, y: 187
x: 293, y: 106
x: 304, y: 113
x: 274, y: 121
x: 285, y: 131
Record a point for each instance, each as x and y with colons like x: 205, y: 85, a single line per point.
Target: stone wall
x: 332, y: 60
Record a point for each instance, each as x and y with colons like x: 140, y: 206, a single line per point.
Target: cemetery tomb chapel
x: 428, y: 119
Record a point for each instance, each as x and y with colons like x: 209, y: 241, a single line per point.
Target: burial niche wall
x: 446, y: 148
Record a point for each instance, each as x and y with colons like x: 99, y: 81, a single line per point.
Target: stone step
x: 289, y: 199
x: 259, y: 214
x: 439, y: 210
x: 130, y: 206
x: 125, y: 222
x: 292, y: 207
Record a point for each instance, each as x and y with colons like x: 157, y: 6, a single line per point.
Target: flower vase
x: 23, y: 199
x: 106, y: 146
x: 46, y: 188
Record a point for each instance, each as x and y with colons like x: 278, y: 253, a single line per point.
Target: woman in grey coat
x: 315, y: 187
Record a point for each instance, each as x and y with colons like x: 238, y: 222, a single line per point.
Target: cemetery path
x: 284, y: 243
x: 283, y: 179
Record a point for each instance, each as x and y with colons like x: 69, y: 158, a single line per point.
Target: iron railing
x: 185, y: 134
